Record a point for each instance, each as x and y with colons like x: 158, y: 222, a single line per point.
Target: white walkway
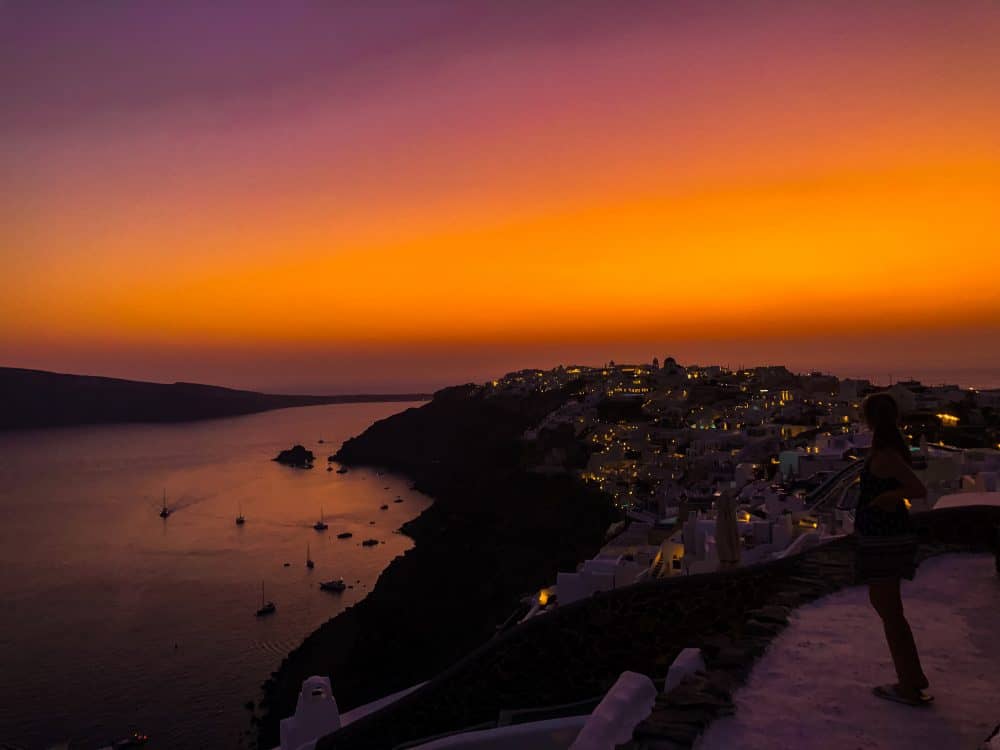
x: 812, y: 689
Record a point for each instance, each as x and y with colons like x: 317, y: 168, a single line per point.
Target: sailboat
x: 165, y: 511
x: 266, y: 608
x: 309, y: 563
x: 320, y: 525
x: 240, y: 520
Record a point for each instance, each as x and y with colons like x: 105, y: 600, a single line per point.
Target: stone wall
x: 580, y: 649
x: 679, y: 716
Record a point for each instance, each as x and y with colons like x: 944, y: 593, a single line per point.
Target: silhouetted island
x: 296, y: 456
x: 495, y: 532
x: 36, y: 398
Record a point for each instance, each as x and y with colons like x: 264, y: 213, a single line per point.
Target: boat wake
x: 279, y: 646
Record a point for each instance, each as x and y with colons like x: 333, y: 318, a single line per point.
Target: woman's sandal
x: 891, y: 693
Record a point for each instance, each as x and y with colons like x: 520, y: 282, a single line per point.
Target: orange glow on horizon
x: 831, y: 172
x: 827, y: 255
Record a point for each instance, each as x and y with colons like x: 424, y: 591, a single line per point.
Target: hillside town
x: 751, y: 473
x: 715, y: 467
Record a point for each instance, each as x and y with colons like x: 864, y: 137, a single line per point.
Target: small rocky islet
x: 297, y: 456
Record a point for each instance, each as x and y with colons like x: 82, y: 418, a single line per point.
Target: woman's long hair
x: 882, y: 415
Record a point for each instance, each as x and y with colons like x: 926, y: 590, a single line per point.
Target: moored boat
x: 320, y: 525
x: 165, y: 511
x: 266, y: 607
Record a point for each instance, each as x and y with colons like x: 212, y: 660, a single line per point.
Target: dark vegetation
x: 621, y: 409
x: 495, y: 532
x: 34, y: 398
x: 559, y: 446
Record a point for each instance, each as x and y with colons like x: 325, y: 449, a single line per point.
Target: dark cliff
x: 495, y: 532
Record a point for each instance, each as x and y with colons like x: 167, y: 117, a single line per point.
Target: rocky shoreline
x: 495, y: 532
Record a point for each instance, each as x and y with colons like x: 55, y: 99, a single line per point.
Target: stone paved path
x: 811, y: 690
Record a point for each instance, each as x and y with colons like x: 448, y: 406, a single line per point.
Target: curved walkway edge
x: 680, y: 717
x: 812, y: 689
x: 579, y: 650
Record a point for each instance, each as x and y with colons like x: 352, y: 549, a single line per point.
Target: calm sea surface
x: 114, y: 618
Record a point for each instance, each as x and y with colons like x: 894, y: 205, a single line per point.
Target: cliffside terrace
x: 575, y: 654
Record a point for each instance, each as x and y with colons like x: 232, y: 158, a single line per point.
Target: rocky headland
x: 495, y: 532
x: 35, y: 398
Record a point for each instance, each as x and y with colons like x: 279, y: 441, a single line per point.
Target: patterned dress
x: 887, y: 544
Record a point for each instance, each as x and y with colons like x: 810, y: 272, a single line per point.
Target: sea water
x: 115, y: 619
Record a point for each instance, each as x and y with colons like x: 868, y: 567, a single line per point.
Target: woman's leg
x: 886, y: 600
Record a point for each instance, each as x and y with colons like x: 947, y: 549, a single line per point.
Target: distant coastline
x: 31, y: 399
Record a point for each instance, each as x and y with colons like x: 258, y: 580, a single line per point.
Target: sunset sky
x: 329, y: 196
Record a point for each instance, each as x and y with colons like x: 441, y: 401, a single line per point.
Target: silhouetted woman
x: 887, y: 544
